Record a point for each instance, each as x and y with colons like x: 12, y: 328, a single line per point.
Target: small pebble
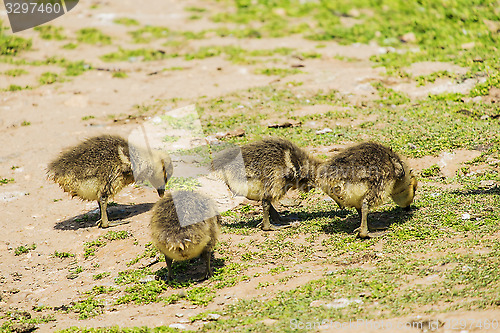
x: 213, y: 316
x: 178, y: 326
x: 466, y: 216
x: 148, y: 278
x: 324, y: 131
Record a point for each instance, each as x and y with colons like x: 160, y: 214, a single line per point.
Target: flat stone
x: 178, y: 326
x: 213, y: 316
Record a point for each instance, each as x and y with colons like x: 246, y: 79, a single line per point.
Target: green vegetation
x: 92, y: 36
x: 431, y: 78
x: 50, y: 32
x: 75, y: 68
x: 125, y: 21
x: 70, y: 46
x: 149, y: 252
x: 195, y: 9
x: 89, y: 248
x: 24, y: 249
x: 432, y: 171
x: 440, y: 31
x: 390, y: 97
x: 174, y: 68
x: 183, y: 183
x: 234, y: 54
x: 15, y: 87
x: 272, y: 23
x: 48, y: 78
x: 101, y: 276
x: 87, y: 308
x: 15, y: 72
x: 72, y: 68
x: 136, y: 54
x: 4, y: 181
x: 63, y: 254
x: 116, y: 329
x: 465, y: 33
x: 22, y: 321
x: 440, y: 256
x: 237, y: 54
x: 282, y: 72
x: 170, y: 138
x: 12, y: 45
x: 74, y: 270
x: 119, y: 75
x: 149, y: 33
x: 398, y: 122
x: 481, y: 89
x: 140, y: 291
x: 395, y: 282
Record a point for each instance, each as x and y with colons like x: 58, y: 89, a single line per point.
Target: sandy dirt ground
x: 34, y: 210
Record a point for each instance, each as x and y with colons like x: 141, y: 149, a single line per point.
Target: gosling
x: 185, y: 225
x: 265, y: 170
x: 364, y: 176
x: 99, y: 167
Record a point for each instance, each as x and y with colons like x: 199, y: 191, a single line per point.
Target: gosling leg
x: 104, y: 222
x: 363, y: 228
x: 274, y: 215
x: 103, y: 205
x: 266, y: 224
x: 169, y: 268
x: 208, y: 256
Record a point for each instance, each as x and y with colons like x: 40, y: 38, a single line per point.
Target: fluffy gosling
x: 265, y: 170
x: 99, y: 167
x: 364, y: 176
x: 185, y: 225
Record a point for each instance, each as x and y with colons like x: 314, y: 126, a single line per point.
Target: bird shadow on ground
x: 350, y: 220
x: 492, y: 190
x: 343, y: 220
x: 244, y: 224
x: 192, y: 270
x: 115, y: 213
x: 255, y: 220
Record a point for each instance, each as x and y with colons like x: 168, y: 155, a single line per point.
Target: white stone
x: 213, y: 316
x: 178, y: 326
x: 324, y: 131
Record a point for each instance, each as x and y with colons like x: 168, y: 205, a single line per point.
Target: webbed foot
x: 274, y: 227
x: 108, y: 224
x: 363, y: 234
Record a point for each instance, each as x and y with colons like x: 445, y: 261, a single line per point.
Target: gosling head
x: 161, y: 175
x: 404, y: 194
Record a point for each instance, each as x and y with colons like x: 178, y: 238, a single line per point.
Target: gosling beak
x: 161, y: 192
